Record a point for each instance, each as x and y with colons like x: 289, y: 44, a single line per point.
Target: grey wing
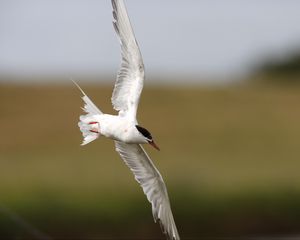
x: 152, y: 183
x: 130, y: 79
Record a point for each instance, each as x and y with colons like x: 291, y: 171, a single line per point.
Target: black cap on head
x: 144, y: 132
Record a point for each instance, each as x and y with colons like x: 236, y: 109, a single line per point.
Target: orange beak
x: 152, y: 143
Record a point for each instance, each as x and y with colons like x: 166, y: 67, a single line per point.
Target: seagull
x: 124, y: 128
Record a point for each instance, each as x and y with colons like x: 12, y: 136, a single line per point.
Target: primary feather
x: 152, y: 183
x: 130, y: 79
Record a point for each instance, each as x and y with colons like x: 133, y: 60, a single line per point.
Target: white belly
x: 119, y: 128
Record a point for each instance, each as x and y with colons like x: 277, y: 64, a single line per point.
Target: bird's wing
x: 152, y: 183
x: 130, y: 79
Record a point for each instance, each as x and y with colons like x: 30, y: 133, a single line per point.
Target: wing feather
x: 147, y: 175
x: 130, y: 79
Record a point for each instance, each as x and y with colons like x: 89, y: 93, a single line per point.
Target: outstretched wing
x: 130, y: 79
x: 152, y: 183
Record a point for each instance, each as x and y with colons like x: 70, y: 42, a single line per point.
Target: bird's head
x: 147, y: 135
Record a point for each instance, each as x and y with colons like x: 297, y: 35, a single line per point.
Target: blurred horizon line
x: 109, y: 78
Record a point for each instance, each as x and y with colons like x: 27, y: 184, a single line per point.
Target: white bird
x: 124, y: 129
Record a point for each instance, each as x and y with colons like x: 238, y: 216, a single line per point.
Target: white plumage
x: 124, y: 129
x: 152, y: 183
x: 130, y: 80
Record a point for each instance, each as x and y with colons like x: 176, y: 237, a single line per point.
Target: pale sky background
x: 207, y: 38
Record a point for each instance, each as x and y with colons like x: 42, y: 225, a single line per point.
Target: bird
x: 123, y: 128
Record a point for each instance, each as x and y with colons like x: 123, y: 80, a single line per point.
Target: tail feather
x: 85, y: 126
x: 87, y: 129
x: 89, y: 106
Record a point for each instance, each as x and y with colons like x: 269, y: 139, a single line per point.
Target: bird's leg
x: 94, y: 130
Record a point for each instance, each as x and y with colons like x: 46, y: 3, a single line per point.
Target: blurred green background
x: 230, y: 159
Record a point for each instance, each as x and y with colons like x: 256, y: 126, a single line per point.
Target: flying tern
x: 124, y: 128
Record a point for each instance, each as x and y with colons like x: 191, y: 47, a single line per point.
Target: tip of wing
x: 167, y: 223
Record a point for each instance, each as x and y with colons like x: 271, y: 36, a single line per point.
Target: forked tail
x: 88, y: 124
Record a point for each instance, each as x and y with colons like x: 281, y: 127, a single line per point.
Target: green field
x: 230, y: 158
